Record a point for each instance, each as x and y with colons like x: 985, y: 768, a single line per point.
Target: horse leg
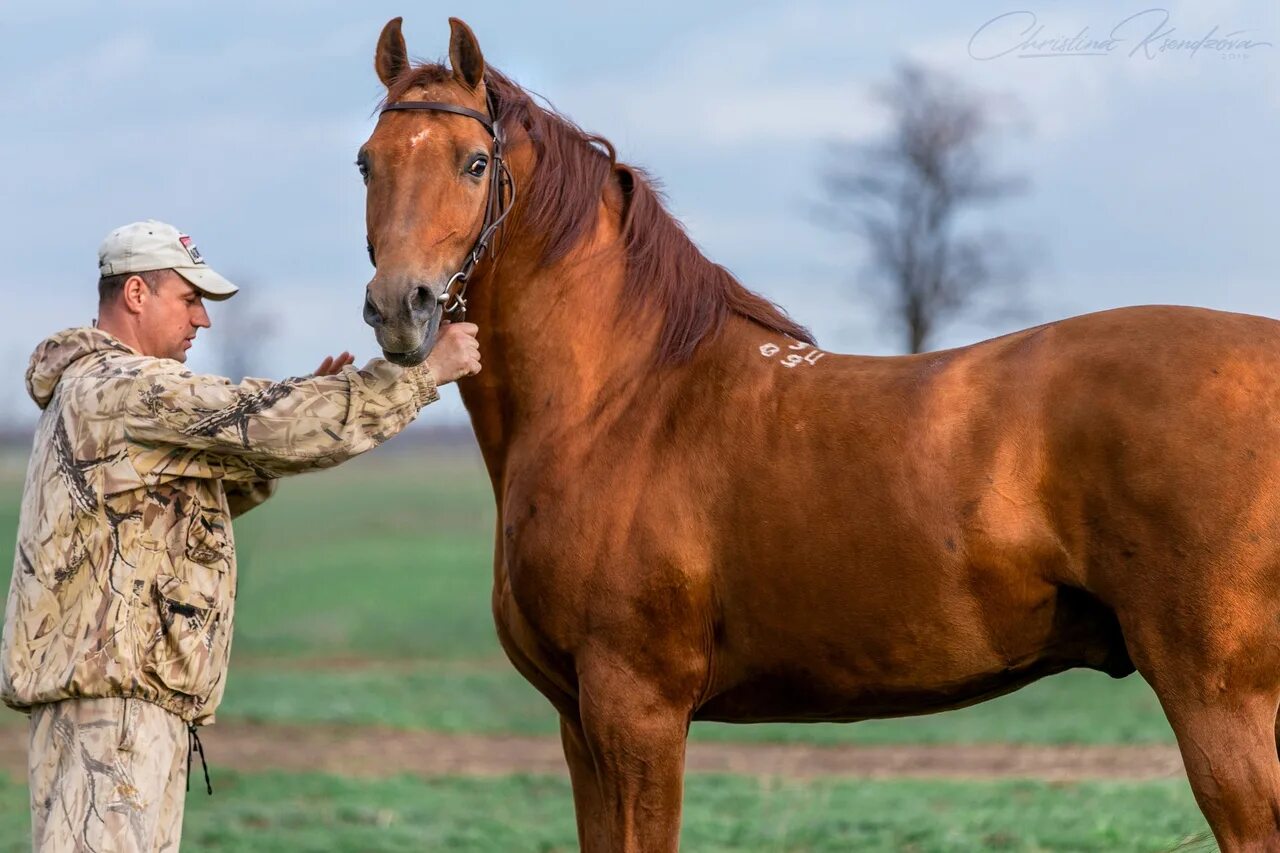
x: 587, y: 805
x: 1216, y: 669
x: 1228, y: 745
x: 634, y: 741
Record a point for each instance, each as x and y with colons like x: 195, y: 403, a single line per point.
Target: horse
x: 702, y: 515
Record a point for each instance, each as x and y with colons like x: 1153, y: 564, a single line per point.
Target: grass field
x: 278, y: 812
x: 363, y: 598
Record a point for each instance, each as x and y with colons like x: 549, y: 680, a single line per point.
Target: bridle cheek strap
x: 501, y: 197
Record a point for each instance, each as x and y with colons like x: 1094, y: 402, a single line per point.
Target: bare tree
x: 909, y: 198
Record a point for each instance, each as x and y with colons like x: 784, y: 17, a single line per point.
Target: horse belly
x: 918, y: 668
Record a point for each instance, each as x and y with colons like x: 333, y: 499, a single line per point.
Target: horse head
x: 432, y: 171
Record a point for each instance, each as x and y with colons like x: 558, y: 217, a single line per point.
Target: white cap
x: 153, y: 245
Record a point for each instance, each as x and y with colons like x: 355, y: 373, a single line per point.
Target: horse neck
x: 552, y: 341
x: 558, y: 352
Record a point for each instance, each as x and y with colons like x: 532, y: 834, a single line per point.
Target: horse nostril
x: 421, y: 300
x: 371, y: 314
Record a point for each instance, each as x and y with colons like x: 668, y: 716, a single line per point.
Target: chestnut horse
x: 702, y: 516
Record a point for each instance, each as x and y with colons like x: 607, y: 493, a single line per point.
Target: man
x: 118, y: 624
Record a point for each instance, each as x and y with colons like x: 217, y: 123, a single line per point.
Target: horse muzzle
x: 405, y: 325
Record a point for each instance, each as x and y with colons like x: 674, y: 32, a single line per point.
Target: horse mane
x: 560, y: 201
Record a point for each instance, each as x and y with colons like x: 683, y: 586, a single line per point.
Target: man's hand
x: 332, y: 365
x: 456, y: 353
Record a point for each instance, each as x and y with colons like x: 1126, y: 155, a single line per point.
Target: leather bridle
x: 501, y: 197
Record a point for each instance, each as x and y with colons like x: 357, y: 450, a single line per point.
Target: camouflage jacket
x: 124, y: 579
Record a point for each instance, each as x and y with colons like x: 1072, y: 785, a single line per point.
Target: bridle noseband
x: 501, y: 198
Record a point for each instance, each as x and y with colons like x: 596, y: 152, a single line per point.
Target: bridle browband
x: 501, y: 197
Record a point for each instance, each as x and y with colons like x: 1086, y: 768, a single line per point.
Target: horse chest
x: 542, y: 564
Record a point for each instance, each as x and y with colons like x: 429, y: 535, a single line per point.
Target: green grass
x: 12, y: 471
x: 378, y: 573
x: 388, y: 556
x: 284, y: 812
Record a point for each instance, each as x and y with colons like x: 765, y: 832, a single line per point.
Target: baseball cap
x: 154, y: 245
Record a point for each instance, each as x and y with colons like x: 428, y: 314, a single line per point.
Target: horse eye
x: 363, y: 165
x: 477, y: 167
x: 372, y: 258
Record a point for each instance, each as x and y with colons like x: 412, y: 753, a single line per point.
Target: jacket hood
x: 58, y: 352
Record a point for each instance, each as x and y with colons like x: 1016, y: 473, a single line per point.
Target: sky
x: 1151, y: 173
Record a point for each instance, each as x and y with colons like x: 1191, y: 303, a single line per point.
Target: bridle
x: 501, y: 197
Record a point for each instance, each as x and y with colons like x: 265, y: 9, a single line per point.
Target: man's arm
x: 250, y: 494
x: 261, y: 430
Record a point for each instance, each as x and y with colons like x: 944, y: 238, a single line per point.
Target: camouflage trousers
x: 106, y: 775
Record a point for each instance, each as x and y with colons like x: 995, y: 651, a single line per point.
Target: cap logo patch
x: 191, y: 249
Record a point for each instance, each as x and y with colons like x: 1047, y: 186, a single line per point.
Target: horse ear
x: 464, y: 55
x: 392, y: 57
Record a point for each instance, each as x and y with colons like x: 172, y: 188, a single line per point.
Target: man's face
x: 170, y: 317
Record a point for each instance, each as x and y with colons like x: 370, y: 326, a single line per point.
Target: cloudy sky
x: 1152, y: 173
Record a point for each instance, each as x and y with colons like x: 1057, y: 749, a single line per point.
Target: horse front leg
x: 587, y: 804
x: 626, y: 759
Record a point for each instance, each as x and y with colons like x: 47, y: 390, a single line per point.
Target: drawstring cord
x: 194, y: 744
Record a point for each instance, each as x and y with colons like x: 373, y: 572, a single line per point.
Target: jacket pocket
x: 185, y: 619
x: 189, y: 650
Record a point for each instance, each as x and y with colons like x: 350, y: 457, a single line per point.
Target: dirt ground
x: 361, y: 751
